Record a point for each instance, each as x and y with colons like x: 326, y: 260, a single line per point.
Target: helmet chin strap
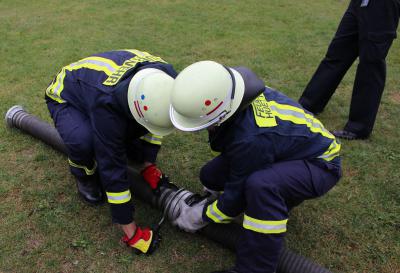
x: 224, y: 113
x: 233, y: 82
x: 221, y: 117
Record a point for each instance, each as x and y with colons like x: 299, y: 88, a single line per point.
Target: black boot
x: 89, y: 190
x: 347, y: 135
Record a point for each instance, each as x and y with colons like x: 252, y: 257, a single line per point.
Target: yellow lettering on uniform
x: 111, y: 80
x: 118, y: 73
x: 114, y: 78
x: 262, y: 112
x: 130, y: 63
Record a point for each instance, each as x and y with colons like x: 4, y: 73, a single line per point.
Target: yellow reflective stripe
x: 299, y: 116
x: 263, y: 226
x: 332, y: 152
x: 86, y: 169
x: 144, y: 54
x: 94, y: 63
x: 97, y: 63
x: 49, y: 94
x: 118, y: 197
x: 215, y: 153
x: 216, y: 215
x: 51, y: 91
x: 141, y: 56
x: 153, y: 139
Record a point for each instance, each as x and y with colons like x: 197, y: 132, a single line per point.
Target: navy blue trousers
x: 366, y: 33
x: 270, y: 194
x: 76, y: 131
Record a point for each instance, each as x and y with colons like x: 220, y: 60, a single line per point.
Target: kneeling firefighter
x: 108, y: 108
x: 273, y: 155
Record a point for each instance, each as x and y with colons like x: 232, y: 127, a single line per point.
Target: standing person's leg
x: 270, y: 194
x: 378, y: 24
x: 75, y: 131
x: 342, y: 52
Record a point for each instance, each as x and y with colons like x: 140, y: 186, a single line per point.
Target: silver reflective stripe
x: 121, y: 197
x: 335, y: 145
x: 95, y: 62
x: 149, y: 137
x: 59, y: 76
x: 328, y: 156
x: 215, y: 214
x: 71, y: 67
x: 299, y: 115
x: 260, y: 226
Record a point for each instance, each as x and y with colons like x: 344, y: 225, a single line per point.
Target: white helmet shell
x: 149, y: 94
x: 203, y: 94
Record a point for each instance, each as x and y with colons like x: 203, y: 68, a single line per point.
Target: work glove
x: 143, y: 241
x: 154, y: 177
x: 190, y: 218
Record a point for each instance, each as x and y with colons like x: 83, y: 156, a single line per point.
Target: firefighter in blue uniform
x: 366, y: 31
x: 109, y: 108
x: 273, y: 155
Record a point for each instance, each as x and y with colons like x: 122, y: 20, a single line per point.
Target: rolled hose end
x: 9, y: 117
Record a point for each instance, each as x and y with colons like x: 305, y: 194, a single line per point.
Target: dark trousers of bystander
x: 366, y: 31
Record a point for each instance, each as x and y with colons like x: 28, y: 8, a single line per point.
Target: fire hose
x: 167, y: 200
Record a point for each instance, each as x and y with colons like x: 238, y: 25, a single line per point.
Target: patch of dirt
x: 67, y: 267
x: 395, y: 97
x: 33, y: 243
x: 351, y: 172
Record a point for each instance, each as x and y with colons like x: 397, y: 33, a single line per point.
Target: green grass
x: 45, y: 228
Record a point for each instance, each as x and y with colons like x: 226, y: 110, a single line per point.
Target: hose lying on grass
x: 227, y: 234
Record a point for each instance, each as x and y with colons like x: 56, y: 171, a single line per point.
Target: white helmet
x: 203, y: 94
x: 149, y: 98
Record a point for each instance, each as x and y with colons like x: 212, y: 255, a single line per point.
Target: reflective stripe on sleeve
x: 140, y: 57
x: 299, y: 116
x: 216, y: 215
x: 86, y: 169
x: 332, y: 152
x: 118, y: 197
x: 153, y: 139
x: 94, y: 63
x: 215, y: 153
x: 263, y: 226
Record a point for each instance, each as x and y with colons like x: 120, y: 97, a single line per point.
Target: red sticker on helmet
x: 215, y: 108
x: 138, y: 109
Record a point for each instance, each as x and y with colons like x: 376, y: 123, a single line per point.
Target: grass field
x: 45, y: 228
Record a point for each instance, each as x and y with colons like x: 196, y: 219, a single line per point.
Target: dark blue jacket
x: 97, y: 86
x: 273, y: 128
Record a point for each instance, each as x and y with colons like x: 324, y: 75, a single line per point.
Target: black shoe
x: 90, y: 190
x: 343, y: 134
